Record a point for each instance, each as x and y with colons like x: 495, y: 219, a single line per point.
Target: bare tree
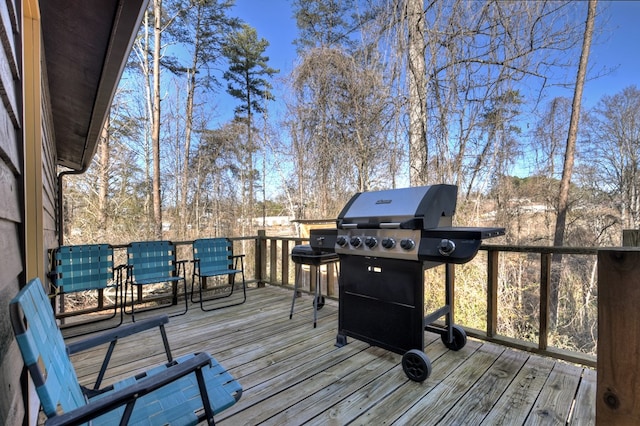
x: 474, y: 53
x: 201, y: 29
x: 569, y: 155
x: 103, y: 181
x: 155, y: 123
x: 614, y: 153
x: 417, y: 76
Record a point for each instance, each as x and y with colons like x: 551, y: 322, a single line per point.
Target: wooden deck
x: 293, y: 374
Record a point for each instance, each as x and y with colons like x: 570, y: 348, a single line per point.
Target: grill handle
x: 413, y: 223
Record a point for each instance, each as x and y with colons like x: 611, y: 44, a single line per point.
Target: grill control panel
x: 390, y: 243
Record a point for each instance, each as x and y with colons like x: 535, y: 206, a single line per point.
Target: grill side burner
x: 385, y: 241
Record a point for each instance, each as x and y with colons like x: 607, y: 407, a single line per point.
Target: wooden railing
x: 274, y: 252
x: 545, y: 259
x: 268, y: 261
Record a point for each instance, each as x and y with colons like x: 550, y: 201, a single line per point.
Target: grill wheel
x: 416, y: 365
x: 318, y: 301
x: 459, y: 338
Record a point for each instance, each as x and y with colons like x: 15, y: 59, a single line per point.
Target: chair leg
x: 316, y: 299
x: 186, y: 301
x: 117, y: 304
x: 295, y: 289
x: 244, y: 295
x: 193, y: 281
x: 173, y: 302
x: 133, y: 315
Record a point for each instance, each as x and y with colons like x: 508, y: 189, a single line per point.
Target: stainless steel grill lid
x: 421, y: 207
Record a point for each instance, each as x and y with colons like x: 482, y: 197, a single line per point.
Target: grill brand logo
x: 383, y: 202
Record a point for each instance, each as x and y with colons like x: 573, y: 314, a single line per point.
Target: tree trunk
x: 191, y: 87
x: 103, y: 179
x: 416, y: 73
x: 155, y: 131
x: 563, y: 196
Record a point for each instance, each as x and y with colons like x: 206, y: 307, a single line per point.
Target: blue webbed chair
x: 213, y: 257
x: 79, y: 268
x: 186, y: 390
x: 154, y: 262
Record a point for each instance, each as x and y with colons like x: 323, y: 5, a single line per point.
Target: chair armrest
x: 129, y: 394
x: 116, y: 333
x: 237, y: 256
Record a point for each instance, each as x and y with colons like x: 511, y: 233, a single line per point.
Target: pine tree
x: 247, y: 78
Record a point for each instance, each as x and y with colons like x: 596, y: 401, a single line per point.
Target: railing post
x: 492, y: 292
x: 618, y: 364
x: 545, y: 294
x: 261, y: 257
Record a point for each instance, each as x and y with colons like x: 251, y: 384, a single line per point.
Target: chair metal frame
x: 186, y: 390
x: 154, y: 262
x: 214, y: 257
x: 76, y: 268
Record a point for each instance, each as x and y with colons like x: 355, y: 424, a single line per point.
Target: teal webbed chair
x: 186, y: 390
x: 154, y: 262
x: 213, y: 257
x: 88, y: 267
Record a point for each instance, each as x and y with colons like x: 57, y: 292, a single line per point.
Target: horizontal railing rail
x: 278, y: 250
x: 269, y: 263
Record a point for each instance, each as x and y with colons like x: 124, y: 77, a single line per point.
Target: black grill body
x: 381, y: 302
x: 385, y: 241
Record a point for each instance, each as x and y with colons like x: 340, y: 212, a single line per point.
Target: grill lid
x: 420, y: 207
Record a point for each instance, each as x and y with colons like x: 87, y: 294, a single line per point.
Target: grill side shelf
x: 462, y: 232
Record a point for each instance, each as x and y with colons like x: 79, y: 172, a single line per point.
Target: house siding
x: 49, y: 178
x: 11, y: 217
x: 12, y: 214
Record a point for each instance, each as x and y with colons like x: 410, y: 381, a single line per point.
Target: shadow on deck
x: 293, y: 374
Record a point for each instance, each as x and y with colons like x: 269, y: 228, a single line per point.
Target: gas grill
x: 385, y: 241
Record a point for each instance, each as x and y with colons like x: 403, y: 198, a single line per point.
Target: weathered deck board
x: 479, y: 400
x: 294, y: 374
x: 513, y: 407
x: 584, y: 411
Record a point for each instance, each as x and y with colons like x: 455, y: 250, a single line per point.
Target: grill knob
x: 355, y: 241
x: 370, y: 242
x: 388, y: 243
x: 446, y: 247
x: 341, y: 241
x: 407, y: 244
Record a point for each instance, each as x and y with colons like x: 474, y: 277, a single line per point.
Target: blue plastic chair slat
x: 78, y: 268
x: 83, y: 267
x: 153, y: 262
x: 214, y: 254
x: 45, y: 354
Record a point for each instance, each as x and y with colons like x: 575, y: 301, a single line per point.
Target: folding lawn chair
x: 154, y: 262
x: 186, y: 390
x: 80, y: 268
x: 213, y: 257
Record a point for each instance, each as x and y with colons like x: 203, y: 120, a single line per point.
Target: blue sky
x: 273, y: 19
x: 616, y: 47
x: 614, y: 51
